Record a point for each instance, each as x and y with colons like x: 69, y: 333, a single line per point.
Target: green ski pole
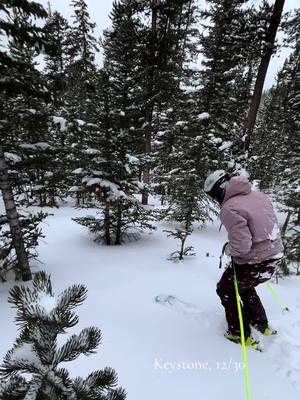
x: 277, y: 298
x: 243, y: 344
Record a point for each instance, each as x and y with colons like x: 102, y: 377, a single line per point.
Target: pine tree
x: 288, y: 152
x: 17, y: 238
x: 30, y: 226
x: 56, y: 27
x: 109, y: 168
x: 166, y: 124
x: 277, y: 135
x: 171, y: 48
x: 12, y: 86
x: 159, y: 34
x: 262, y: 69
x: 109, y: 164
x: 181, y: 166
x: 269, y: 131
x: 78, y: 114
x: 31, y: 369
x: 232, y: 44
x: 28, y: 125
x: 81, y: 49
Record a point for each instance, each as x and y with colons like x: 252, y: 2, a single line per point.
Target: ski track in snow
x: 282, y: 349
x: 138, y: 325
x: 184, y: 308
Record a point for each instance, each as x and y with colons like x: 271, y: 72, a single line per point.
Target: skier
x: 254, y: 245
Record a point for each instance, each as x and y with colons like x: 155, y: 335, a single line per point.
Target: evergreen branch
x: 64, y: 375
x: 28, y: 7
x: 21, y: 297
x: 27, y: 33
x: 13, y: 389
x: 84, y: 343
x: 34, y: 387
x: 99, y: 386
x: 64, y: 319
x: 11, y: 367
x: 42, y: 283
x: 72, y: 297
x: 61, y: 387
x: 106, y: 378
x: 117, y: 394
x: 12, y: 86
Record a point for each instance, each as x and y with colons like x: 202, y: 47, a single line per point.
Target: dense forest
x: 172, y: 101
x: 129, y: 142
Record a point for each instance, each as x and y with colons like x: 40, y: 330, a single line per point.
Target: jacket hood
x: 237, y: 185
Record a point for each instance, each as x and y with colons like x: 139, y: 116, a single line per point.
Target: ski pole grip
x: 222, y: 254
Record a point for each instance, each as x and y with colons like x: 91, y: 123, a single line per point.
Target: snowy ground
x: 164, y: 351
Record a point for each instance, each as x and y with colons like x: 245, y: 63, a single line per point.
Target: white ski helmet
x: 215, y: 177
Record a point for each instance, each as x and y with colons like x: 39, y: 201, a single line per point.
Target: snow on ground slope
x: 173, y: 349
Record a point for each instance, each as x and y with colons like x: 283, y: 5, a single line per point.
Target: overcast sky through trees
x: 100, y: 10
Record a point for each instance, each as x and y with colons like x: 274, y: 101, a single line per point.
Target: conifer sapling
x: 30, y: 370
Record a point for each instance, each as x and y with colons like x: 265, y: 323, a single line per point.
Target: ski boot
x: 265, y: 329
x: 249, y: 341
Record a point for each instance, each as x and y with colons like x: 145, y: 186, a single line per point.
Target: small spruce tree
x: 30, y: 370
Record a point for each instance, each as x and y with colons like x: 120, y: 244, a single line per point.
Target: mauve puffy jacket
x: 251, y: 224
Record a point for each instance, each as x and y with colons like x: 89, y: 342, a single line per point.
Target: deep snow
x: 172, y: 350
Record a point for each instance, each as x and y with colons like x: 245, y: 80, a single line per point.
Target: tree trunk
x: 262, y: 70
x: 182, y: 247
x: 13, y: 220
x: 286, y: 223
x: 119, y: 225
x: 150, y: 100
x: 284, y: 266
x: 107, y: 223
x: 188, y: 23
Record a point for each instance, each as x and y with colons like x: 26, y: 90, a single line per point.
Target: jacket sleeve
x: 239, y: 235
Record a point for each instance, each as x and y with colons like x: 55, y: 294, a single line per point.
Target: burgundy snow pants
x: 248, y: 276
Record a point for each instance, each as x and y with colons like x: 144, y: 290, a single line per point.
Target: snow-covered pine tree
x: 179, y: 174
x: 267, y: 135
x: 56, y: 28
x: 80, y: 67
x: 32, y: 233
x: 232, y: 43
x: 173, y: 38
x: 80, y: 97
x: 27, y: 122
x: 184, y: 251
x: 180, y: 155
x: 267, y: 138
x: 11, y: 87
x: 31, y: 369
x: 203, y: 131
x: 174, y: 79
x: 277, y: 135
x: 19, y: 231
x: 161, y: 33
x: 268, y: 50
x: 110, y: 167
x: 288, y: 152
x: 109, y: 181
x: 186, y: 205
x: 122, y: 69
